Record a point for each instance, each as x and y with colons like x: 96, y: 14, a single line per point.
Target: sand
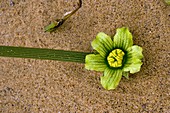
x: 32, y: 86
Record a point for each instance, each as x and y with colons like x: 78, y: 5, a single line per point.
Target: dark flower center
x: 115, y: 58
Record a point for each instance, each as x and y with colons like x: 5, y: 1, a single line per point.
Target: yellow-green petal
x: 95, y: 62
x: 133, y: 62
x: 102, y: 44
x: 126, y: 74
x: 111, y: 78
x: 167, y: 1
x: 123, y: 38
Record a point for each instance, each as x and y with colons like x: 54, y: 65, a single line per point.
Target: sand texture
x: 41, y: 86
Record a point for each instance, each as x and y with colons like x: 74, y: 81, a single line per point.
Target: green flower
x: 115, y: 57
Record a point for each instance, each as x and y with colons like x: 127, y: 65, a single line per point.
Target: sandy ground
x: 32, y: 86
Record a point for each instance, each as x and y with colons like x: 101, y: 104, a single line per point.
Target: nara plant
x: 116, y: 56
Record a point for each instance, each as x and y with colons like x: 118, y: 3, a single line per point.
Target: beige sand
x: 32, y: 86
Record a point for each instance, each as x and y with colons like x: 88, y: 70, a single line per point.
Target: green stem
x: 46, y: 54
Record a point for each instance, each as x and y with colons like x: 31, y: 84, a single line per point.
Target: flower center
x: 115, y: 58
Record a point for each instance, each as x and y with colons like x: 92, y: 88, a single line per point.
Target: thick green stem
x: 46, y: 54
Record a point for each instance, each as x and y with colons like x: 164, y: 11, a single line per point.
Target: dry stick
x: 46, y: 54
x: 58, y: 22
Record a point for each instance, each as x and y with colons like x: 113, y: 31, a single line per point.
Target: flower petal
x: 111, y: 78
x: 126, y: 74
x: 133, y: 62
x: 123, y: 38
x: 95, y: 62
x: 102, y: 44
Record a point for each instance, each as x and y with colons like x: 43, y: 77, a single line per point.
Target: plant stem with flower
x: 116, y: 56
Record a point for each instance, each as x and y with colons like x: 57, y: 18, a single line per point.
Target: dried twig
x: 58, y: 22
